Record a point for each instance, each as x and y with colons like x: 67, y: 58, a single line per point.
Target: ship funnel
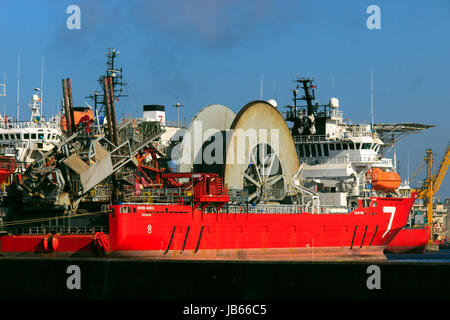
x: 155, y: 112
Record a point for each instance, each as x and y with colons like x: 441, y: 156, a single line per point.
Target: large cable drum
x: 208, y: 125
x: 261, y: 156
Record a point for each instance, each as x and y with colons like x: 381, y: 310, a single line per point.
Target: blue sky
x: 202, y: 52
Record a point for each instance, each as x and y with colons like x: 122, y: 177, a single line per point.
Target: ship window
x: 308, y: 153
x: 351, y: 145
x: 300, y: 151
x: 48, y: 136
x: 345, y: 146
x: 366, y: 146
x: 41, y: 136
x: 338, y: 146
x: 33, y: 136
x: 332, y: 147
x: 313, y: 150
x: 53, y: 137
x: 319, y: 150
x: 18, y: 136
x: 26, y: 136
x: 1, y: 137
x: 325, y: 150
x: 124, y: 209
x: 358, y: 146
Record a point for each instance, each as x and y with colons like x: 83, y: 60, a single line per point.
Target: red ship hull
x: 181, y: 232
x: 178, y: 232
x: 410, y: 240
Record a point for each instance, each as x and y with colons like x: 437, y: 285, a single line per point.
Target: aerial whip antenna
x: 371, y: 97
x: 42, y: 87
x: 18, y: 88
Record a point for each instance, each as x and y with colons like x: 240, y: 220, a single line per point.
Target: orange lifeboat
x: 385, y: 181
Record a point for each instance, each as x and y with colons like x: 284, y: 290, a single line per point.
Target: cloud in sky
x: 212, y: 24
x: 215, y: 24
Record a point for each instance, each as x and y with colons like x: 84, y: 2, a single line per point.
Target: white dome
x: 273, y: 102
x: 334, y: 102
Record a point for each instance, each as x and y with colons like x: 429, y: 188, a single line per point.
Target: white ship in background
x: 343, y: 162
x: 29, y: 139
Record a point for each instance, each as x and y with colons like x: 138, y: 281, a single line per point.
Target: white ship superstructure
x: 27, y: 140
x: 342, y: 162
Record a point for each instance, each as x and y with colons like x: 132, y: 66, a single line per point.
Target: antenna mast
x: 117, y: 83
x: 261, y: 86
x: 332, y: 86
x: 178, y: 106
x: 371, y: 97
x: 18, y: 88
x: 42, y: 87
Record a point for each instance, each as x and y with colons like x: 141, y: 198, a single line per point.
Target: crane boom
x: 432, y: 182
x: 442, y: 170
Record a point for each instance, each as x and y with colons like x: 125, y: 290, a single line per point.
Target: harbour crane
x: 432, y: 182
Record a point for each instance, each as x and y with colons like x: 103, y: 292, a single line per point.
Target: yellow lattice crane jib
x: 442, y: 169
x: 432, y: 182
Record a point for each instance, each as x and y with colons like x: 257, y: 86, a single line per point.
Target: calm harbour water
x: 442, y: 256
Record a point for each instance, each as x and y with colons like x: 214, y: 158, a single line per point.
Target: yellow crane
x: 432, y: 182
